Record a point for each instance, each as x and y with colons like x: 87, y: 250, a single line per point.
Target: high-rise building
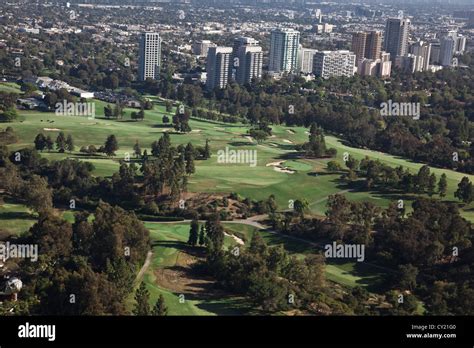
x: 250, y: 64
x: 218, y: 61
x: 149, y: 61
x: 305, y: 59
x: 201, y: 47
x: 460, y: 44
x: 284, y: 45
x: 246, y: 60
x: 447, y: 50
x: 435, y: 52
x: 396, y: 37
x: 327, y: 64
x: 422, y: 49
x: 359, y: 41
x: 367, y: 45
x: 373, y: 45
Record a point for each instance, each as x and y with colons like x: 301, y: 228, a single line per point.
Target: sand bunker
x: 287, y: 141
x: 274, y: 164
x: 51, y: 129
x: 277, y: 166
x: 237, y: 239
x: 290, y: 131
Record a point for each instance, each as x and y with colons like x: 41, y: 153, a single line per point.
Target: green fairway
x: 168, y: 246
x: 16, y: 218
x: 309, y: 181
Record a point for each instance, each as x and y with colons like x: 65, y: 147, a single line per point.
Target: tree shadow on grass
x: 241, y: 143
x: 16, y: 215
x: 371, y: 277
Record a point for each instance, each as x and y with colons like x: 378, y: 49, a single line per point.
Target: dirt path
x: 144, y: 267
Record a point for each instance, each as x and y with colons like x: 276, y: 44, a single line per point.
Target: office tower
x: 305, y: 59
x: 334, y: 63
x: 218, y: 60
x: 359, y: 41
x: 396, y: 37
x: 435, y: 51
x: 246, y: 60
x: 446, y: 54
x: 149, y: 60
x: 200, y: 48
x: 367, y: 45
x: 373, y: 45
x: 284, y: 50
x: 422, y: 49
x: 460, y: 44
x: 250, y: 64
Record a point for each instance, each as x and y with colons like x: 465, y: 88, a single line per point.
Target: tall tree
x: 442, y: 185
x: 111, y: 145
x: 40, y: 142
x: 160, y: 308
x: 142, y: 297
x: 69, y: 143
x: 61, y: 142
x: 465, y: 191
x: 193, y: 233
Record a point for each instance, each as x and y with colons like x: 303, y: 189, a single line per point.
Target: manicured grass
x: 311, y: 181
x: 15, y: 218
x: 169, y: 240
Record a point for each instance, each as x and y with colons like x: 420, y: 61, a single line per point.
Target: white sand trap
x: 196, y: 131
x: 287, y: 141
x: 306, y: 132
x: 249, y: 138
x: 284, y: 170
x: 279, y: 168
x: 166, y: 129
x: 290, y: 131
x: 51, y: 129
x: 237, y: 239
x: 273, y: 136
x: 274, y: 164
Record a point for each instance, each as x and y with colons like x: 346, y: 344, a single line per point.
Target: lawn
x: 310, y: 181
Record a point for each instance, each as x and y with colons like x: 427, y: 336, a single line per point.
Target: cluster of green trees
x: 63, y: 143
x: 8, y: 111
x: 84, y: 268
x: 142, y: 303
x: 383, y: 177
x: 270, y: 278
x: 428, y: 252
